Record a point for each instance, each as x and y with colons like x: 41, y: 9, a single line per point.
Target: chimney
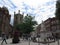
x: 18, y: 11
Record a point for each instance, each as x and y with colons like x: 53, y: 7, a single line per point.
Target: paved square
x: 25, y: 42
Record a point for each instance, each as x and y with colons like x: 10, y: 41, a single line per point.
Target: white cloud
x: 41, y: 9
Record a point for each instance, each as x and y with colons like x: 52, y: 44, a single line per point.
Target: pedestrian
x: 3, y: 38
x: 16, y: 37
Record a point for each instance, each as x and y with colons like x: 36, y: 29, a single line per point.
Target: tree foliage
x: 57, y: 13
x: 28, y: 24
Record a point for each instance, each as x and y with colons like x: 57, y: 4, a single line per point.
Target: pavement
x: 25, y: 42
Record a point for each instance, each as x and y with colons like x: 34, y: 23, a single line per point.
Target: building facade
x: 4, y: 20
x: 51, y: 26
x: 18, y: 18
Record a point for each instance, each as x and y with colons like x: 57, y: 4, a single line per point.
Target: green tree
x: 28, y: 25
x: 57, y: 13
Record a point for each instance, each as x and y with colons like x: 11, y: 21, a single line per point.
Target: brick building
x: 4, y: 20
x: 51, y: 26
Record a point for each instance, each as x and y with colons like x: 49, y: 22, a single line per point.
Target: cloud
x: 41, y: 9
x: 13, y: 5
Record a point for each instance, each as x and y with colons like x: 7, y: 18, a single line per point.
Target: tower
x: 18, y: 18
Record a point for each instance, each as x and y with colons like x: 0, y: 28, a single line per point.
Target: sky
x: 41, y: 9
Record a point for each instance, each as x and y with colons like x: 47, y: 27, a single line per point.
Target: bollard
x: 48, y: 41
x: 38, y: 41
x: 58, y: 41
x: 29, y: 41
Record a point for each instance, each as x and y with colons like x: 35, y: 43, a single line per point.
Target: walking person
x: 3, y: 38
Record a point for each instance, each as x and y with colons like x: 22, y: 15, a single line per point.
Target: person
x: 16, y: 37
x: 3, y: 38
